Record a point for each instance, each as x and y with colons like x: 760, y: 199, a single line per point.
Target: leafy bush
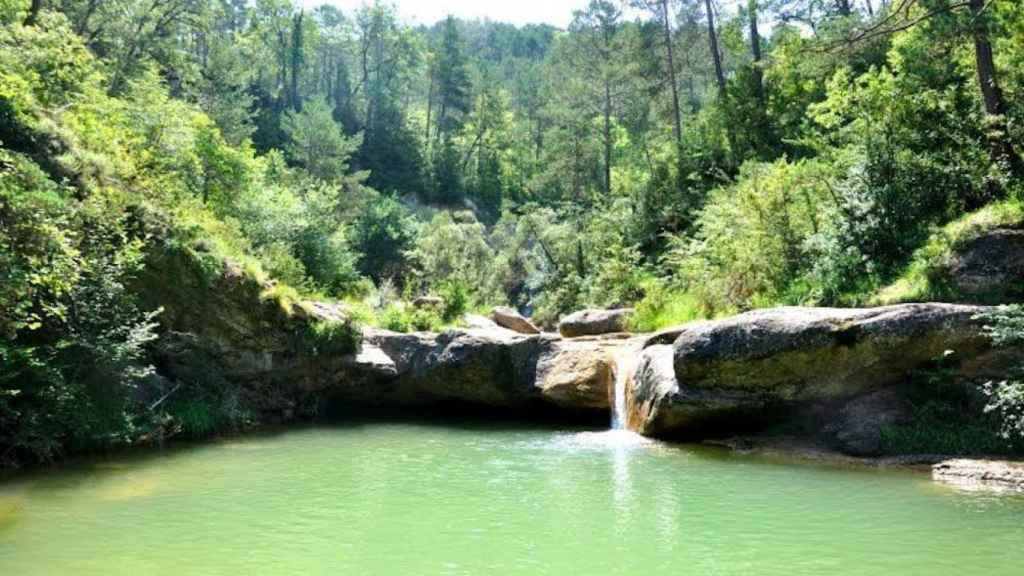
x: 663, y: 306
x: 946, y: 416
x: 753, y: 237
x: 331, y: 338
x: 454, y: 256
x: 382, y: 234
x: 1005, y: 326
x: 456, y: 299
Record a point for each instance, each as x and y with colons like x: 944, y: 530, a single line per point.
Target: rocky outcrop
x: 509, y: 318
x: 989, y: 268
x: 595, y: 322
x: 980, y: 474
x: 223, y: 326
x: 496, y: 367
x: 742, y: 369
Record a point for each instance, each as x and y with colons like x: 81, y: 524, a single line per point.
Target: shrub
x: 455, y: 294
x: 331, y: 338
x: 663, y: 306
x: 1005, y: 326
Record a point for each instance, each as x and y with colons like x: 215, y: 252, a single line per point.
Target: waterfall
x: 625, y: 365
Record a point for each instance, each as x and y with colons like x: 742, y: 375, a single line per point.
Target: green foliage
x: 316, y: 143
x: 754, y: 239
x: 453, y: 254
x: 74, y: 337
x: 331, y: 338
x: 383, y: 234
x: 1005, y: 326
x: 945, y: 417
x: 663, y: 307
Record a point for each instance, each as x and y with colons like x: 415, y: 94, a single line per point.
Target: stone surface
x: 479, y: 322
x: 509, y: 318
x: 657, y: 405
x: 856, y: 428
x: 576, y: 374
x: 812, y: 353
x: 595, y: 322
x: 491, y: 367
x: 218, y: 326
x: 980, y: 474
x: 990, y: 268
x: 735, y: 371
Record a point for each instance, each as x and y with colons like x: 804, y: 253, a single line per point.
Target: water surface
x: 413, y: 499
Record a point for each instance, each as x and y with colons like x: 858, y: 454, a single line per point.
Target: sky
x: 557, y: 12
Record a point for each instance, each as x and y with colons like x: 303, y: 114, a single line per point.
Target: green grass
x: 925, y: 278
x: 663, y: 307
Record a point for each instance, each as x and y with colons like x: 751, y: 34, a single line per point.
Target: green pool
x: 413, y: 499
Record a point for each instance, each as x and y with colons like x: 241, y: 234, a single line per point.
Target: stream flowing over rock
x: 740, y: 371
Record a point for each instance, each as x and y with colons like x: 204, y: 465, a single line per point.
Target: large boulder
x: 656, y: 405
x: 509, y: 318
x: 736, y: 371
x: 989, y: 268
x: 576, y: 374
x: 595, y: 322
x: 495, y: 367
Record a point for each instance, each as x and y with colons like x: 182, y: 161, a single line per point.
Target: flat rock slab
x: 980, y: 474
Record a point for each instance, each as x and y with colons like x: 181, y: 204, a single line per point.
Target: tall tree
x: 755, y: 49
x: 716, y: 56
x: 662, y: 14
x: 453, y: 85
x: 297, y: 60
x: 597, y: 26
x: 1000, y: 148
x: 454, y: 102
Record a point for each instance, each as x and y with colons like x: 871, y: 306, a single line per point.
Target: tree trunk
x: 1000, y: 148
x: 669, y: 52
x: 33, y: 12
x: 844, y: 7
x: 715, y: 55
x: 607, y: 136
x: 296, y: 61
x: 870, y: 7
x: 430, y: 104
x: 755, y: 50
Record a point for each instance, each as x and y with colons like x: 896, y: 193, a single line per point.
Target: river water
x: 492, y: 499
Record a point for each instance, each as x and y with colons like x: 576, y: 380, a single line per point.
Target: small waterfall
x: 625, y: 365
